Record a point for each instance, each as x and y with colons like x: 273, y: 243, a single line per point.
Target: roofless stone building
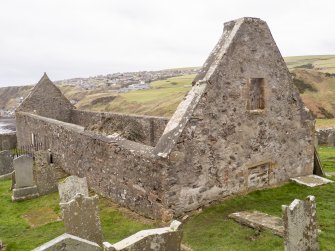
x: 242, y: 127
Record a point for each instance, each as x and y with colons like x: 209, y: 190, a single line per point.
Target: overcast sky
x: 81, y: 38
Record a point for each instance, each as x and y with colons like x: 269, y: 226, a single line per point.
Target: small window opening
x: 256, y: 94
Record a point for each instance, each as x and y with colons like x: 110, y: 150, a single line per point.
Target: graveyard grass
x: 208, y: 230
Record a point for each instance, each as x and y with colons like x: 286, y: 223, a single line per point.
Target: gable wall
x: 225, y: 148
x: 47, y: 100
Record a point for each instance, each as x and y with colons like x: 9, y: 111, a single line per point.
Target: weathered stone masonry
x: 242, y: 127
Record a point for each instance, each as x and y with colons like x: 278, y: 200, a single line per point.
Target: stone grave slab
x: 71, y: 186
x: 24, y: 187
x: 6, y: 163
x: 44, y: 174
x: 81, y: 217
x: 68, y: 242
x: 24, y: 177
x: 311, y: 180
x: 259, y: 220
x: 300, y: 225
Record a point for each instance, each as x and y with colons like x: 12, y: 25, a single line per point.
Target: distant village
x: 126, y: 81
x: 118, y: 82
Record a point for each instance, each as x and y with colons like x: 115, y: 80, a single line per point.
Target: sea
x: 7, y: 125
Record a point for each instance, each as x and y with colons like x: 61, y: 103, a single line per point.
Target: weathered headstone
x: 160, y: 239
x: 24, y: 187
x: 71, y: 186
x: 6, y: 163
x: 301, y: 231
x: 331, y: 139
x: 44, y: 174
x: 81, y: 218
x: 68, y: 242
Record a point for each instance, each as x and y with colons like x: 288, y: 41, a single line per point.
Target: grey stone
x: 7, y: 141
x: 68, y: 242
x: 71, y: 186
x: 301, y: 233
x: 331, y: 139
x: 259, y: 220
x: 326, y: 136
x: 23, y: 166
x: 81, y: 218
x: 44, y: 174
x: 160, y: 239
x: 311, y: 180
x: 25, y: 193
x: 6, y: 163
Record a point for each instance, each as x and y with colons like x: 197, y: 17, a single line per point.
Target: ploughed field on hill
x: 314, y: 76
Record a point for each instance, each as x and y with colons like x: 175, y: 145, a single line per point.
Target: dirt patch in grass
x: 41, y: 216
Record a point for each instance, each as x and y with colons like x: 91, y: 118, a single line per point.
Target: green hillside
x: 314, y: 77
x: 321, y: 63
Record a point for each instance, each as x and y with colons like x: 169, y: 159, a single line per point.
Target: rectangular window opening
x: 256, y: 94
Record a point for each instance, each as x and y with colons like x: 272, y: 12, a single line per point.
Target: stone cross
x: 71, y: 186
x: 81, y: 218
x: 23, y: 167
x: 6, y: 163
x: 301, y: 231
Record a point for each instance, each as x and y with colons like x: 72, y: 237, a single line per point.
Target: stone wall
x: 144, y: 129
x: 326, y: 136
x: 242, y: 127
x: 7, y: 141
x: 124, y: 171
x: 216, y: 145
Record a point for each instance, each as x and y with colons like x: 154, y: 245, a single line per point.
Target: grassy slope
x: 322, y: 63
x: 18, y: 235
x: 324, y: 96
x: 209, y: 230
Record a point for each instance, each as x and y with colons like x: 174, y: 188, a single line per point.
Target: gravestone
x: 44, y: 174
x: 331, y: 139
x: 24, y: 187
x: 71, y: 186
x: 68, y: 242
x: 81, y: 217
x: 301, y: 231
x: 159, y: 239
x: 6, y: 163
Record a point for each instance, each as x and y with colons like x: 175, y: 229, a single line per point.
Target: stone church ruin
x: 243, y: 126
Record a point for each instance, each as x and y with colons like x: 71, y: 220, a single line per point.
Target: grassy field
x: 324, y: 123
x: 161, y: 100
x: 327, y: 156
x: 322, y: 63
x: 211, y: 230
x: 25, y: 225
